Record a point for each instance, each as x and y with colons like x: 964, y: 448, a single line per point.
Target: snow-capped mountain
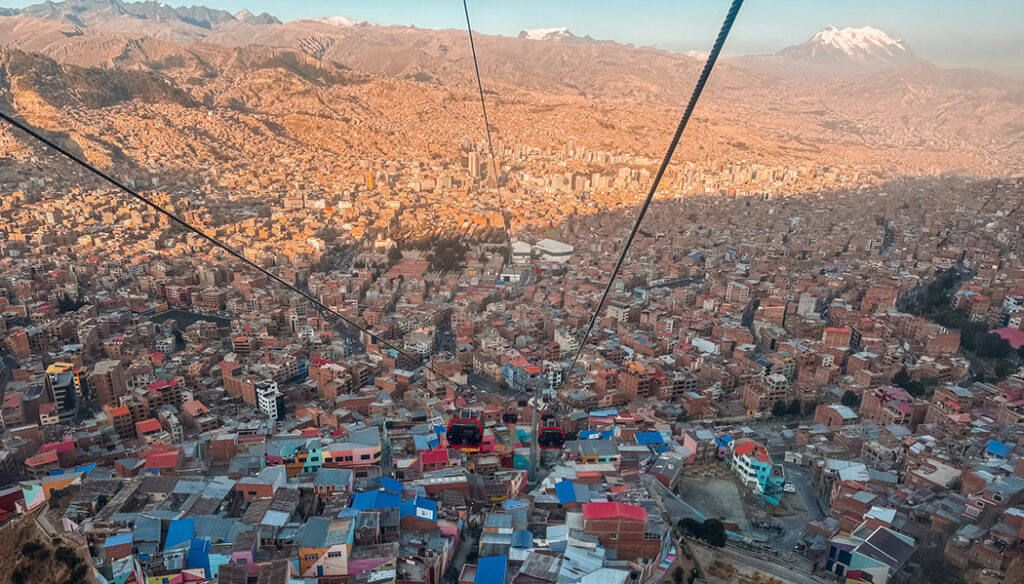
x: 559, y: 34
x: 864, y: 46
x: 834, y: 52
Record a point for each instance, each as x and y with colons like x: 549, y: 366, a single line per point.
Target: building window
x: 615, y: 536
x: 365, y: 457
x: 312, y: 557
x: 333, y: 554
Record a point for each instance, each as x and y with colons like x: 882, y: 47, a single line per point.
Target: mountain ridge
x: 374, y: 86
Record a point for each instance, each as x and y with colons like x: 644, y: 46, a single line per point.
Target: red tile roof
x: 610, y: 510
x: 148, y: 425
x: 749, y: 448
x: 434, y: 456
x: 64, y: 446
x: 120, y: 411
x: 41, y: 459
x: 1014, y: 336
x: 162, y: 458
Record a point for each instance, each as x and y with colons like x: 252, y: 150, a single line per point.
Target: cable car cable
x: 487, y: 128
x: 709, y: 65
x: 730, y: 17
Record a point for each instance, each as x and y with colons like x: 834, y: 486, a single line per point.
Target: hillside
x: 29, y: 556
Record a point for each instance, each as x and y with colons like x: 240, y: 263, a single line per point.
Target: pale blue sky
x: 982, y: 34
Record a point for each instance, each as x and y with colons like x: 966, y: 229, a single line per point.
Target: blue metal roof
x: 522, y: 539
x: 604, y: 413
x: 375, y: 500
x: 491, y: 570
x: 199, y: 554
x: 422, y: 443
x: 649, y: 438
x: 420, y: 507
x: 389, y: 484
x: 509, y: 504
x: 565, y: 492
x: 119, y: 539
x: 179, y: 532
x: 147, y: 528
x: 997, y: 448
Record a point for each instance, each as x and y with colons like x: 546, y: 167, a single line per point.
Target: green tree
x: 794, y: 408
x: 1004, y: 368
x: 68, y: 557
x: 714, y: 532
x: 394, y: 255
x: 850, y: 399
x: 901, y: 379
x: 688, y: 525
x: 915, y: 388
x: 35, y: 550
x: 779, y: 409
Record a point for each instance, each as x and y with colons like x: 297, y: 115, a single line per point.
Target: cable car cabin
x: 465, y: 431
x: 509, y: 417
x: 550, y: 436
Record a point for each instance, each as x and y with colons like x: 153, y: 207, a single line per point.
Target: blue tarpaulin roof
x: 421, y: 507
x: 424, y: 443
x: 374, y: 500
x: 565, y: 492
x: 179, y: 532
x: 199, y: 554
x: 491, y: 570
x: 509, y: 504
x: 522, y: 539
x: 649, y: 438
x: 389, y: 484
x: 997, y: 448
x: 119, y: 539
x: 604, y: 413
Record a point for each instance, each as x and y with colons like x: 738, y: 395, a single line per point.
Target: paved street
x: 800, y: 477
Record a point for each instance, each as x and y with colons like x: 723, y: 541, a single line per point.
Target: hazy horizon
x: 947, y: 33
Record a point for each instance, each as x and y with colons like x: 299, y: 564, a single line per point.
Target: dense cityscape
x: 806, y: 371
